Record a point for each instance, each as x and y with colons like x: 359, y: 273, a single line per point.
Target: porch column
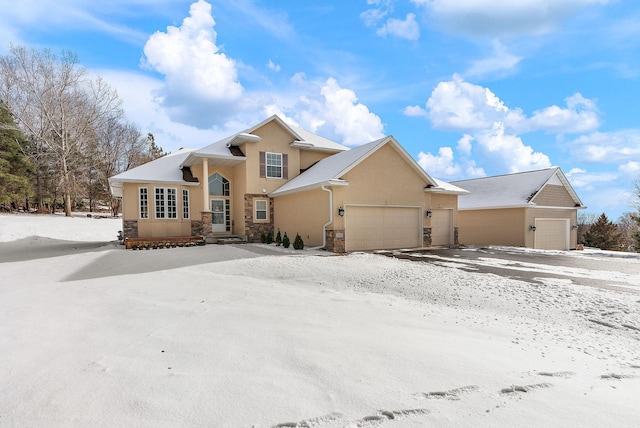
x: 205, y: 184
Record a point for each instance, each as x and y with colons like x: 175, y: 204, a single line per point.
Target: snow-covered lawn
x: 303, y: 340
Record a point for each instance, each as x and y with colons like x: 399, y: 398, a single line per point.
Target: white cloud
x: 607, y: 147
x: 415, y: 111
x: 630, y: 168
x: 380, y: 9
x: 501, y: 62
x: 443, y: 165
x: 334, y: 112
x: 273, y: 66
x: 405, y: 29
x: 589, y: 181
x: 201, y: 83
x: 581, y: 115
x: 486, y: 17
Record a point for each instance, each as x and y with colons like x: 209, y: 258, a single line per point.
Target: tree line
x: 62, y: 134
x: 600, y: 232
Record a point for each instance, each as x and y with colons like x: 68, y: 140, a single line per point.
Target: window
x: 260, y: 209
x: 185, y: 204
x: 274, y: 165
x: 218, y: 185
x: 143, y: 197
x: 166, y: 202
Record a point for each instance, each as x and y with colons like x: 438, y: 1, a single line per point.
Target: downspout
x: 324, y: 228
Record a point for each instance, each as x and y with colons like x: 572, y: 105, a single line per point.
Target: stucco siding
x: 304, y: 213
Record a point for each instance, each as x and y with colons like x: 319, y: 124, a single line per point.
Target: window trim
x: 163, y: 206
x: 256, y: 210
x: 143, y: 214
x: 267, y: 165
x: 186, y: 209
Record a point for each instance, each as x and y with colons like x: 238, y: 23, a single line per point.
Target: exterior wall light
x: 428, y: 213
x: 532, y: 228
x: 341, y: 212
x: 574, y: 227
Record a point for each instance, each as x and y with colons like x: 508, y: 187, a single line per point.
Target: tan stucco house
x: 534, y: 209
x: 274, y: 176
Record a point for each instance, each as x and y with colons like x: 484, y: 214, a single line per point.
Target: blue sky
x: 469, y: 88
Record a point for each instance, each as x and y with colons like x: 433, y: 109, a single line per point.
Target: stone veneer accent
x: 455, y: 236
x: 207, y: 223
x: 196, y: 228
x: 130, y: 228
x: 335, y: 240
x: 426, y: 237
x: 254, y: 231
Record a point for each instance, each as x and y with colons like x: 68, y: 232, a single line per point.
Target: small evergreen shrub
x: 263, y: 238
x: 278, y: 238
x: 298, y: 243
x: 285, y: 241
x: 269, y: 237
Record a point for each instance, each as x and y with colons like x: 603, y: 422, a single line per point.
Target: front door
x: 218, y: 215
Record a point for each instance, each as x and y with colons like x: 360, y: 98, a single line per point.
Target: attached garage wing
x: 551, y: 234
x: 382, y: 227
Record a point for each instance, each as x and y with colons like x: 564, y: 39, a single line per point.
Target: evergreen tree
x: 15, y: 167
x: 603, y: 234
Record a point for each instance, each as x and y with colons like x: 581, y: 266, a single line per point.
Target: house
x: 534, y: 209
x: 274, y: 176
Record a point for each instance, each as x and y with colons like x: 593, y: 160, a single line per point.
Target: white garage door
x: 551, y: 234
x: 378, y: 228
x: 441, y: 230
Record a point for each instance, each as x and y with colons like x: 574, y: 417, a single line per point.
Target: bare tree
x: 585, y: 220
x: 57, y: 107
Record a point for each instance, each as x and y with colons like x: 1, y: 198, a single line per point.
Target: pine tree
x: 15, y: 167
x: 298, y: 243
x: 603, y: 234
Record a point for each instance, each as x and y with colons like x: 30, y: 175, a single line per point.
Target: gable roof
x: 511, y: 190
x: 329, y: 171
x: 162, y: 170
x: 302, y: 138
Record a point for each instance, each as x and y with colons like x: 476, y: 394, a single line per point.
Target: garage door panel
x: 551, y: 234
x: 373, y: 228
x: 441, y: 227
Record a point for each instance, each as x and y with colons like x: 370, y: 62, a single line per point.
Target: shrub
x: 263, y: 238
x: 278, y: 238
x: 298, y: 243
x: 269, y: 237
x: 285, y: 241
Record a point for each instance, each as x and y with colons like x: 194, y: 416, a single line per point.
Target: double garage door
x: 551, y: 234
x: 376, y: 228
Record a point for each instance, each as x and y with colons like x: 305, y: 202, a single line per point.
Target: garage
x: 382, y: 227
x: 441, y: 227
x: 551, y: 234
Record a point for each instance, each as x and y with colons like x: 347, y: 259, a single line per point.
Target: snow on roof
x: 308, y: 140
x: 329, y: 170
x: 165, y: 170
x: 510, y: 190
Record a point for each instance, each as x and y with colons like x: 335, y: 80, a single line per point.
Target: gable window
x: 274, y: 165
x: 260, y: 206
x: 218, y: 185
x: 166, y: 203
x: 143, y: 197
x: 185, y: 204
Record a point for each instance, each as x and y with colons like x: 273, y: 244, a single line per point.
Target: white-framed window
x: 143, y: 199
x: 166, y: 202
x: 261, y: 211
x: 274, y: 165
x: 185, y: 204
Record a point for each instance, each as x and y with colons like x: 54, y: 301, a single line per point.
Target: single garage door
x: 551, y: 234
x: 378, y: 228
x: 441, y: 230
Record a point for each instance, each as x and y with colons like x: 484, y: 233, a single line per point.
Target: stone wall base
x: 255, y: 230
x: 335, y: 240
x: 426, y: 237
x: 207, y: 223
x: 130, y: 228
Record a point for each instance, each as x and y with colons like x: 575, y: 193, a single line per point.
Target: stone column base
x: 207, y: 223
x: 335, y: 240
